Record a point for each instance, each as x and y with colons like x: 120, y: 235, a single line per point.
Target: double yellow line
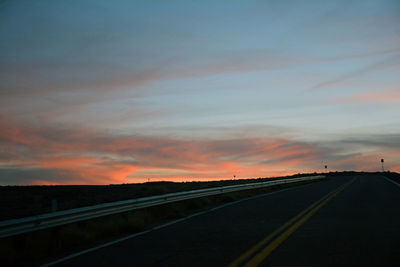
x: 260, y: 251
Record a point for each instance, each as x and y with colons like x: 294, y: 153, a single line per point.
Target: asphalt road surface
x: 349, y: 220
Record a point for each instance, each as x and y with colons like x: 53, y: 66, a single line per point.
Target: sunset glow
x: 106, y: 92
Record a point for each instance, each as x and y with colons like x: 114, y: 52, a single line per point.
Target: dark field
x: 38, y: 247
x: 24, y: 201
x: 393, y: 175
x: 358, y: 225
x: 46, y: 245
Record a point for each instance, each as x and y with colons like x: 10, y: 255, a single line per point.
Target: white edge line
x: 390, y: 180
x: 165, y: 225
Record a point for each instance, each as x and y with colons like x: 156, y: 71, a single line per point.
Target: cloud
x: 96, y: 157
x: 387, y: 141
x: 383, y: 97
x: 381, y: 65
x: 368, y: 161
x: 17, y: 175
x: 83, y: 156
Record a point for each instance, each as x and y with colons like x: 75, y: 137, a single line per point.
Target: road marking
x: 272, y: 235
x: 167, y: 224
x: 291, y: 226
x: 390, y: 180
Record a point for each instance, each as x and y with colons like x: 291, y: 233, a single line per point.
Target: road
x: 346, y: 220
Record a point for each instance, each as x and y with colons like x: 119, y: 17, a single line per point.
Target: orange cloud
x: 384, y: 97
x: 90, y: 169
x: 82, y: 156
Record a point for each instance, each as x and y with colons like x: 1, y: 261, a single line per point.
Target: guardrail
x: 48, y: 220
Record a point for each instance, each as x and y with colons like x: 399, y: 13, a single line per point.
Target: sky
x: 110, y: 92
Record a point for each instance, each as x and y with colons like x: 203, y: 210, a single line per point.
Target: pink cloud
x: 383, y: 97
x: 83, y: 156
x: 99, y: 158
x: 377, y: 97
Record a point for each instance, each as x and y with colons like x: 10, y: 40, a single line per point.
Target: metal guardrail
x: 48, y: 220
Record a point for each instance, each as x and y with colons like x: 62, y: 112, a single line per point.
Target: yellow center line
x: 276, y: 232
x: 304, y: 215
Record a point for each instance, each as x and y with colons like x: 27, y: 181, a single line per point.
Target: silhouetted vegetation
x: 39, y: 247
x: 24, y: 201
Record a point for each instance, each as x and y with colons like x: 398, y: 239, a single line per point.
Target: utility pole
x: 382, y: 161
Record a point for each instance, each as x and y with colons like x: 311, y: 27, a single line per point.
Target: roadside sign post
x: 382, y: 160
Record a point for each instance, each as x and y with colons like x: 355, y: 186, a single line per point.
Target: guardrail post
x: 53, y: 205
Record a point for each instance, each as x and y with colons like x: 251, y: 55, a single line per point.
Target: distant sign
x: 382, y: 160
